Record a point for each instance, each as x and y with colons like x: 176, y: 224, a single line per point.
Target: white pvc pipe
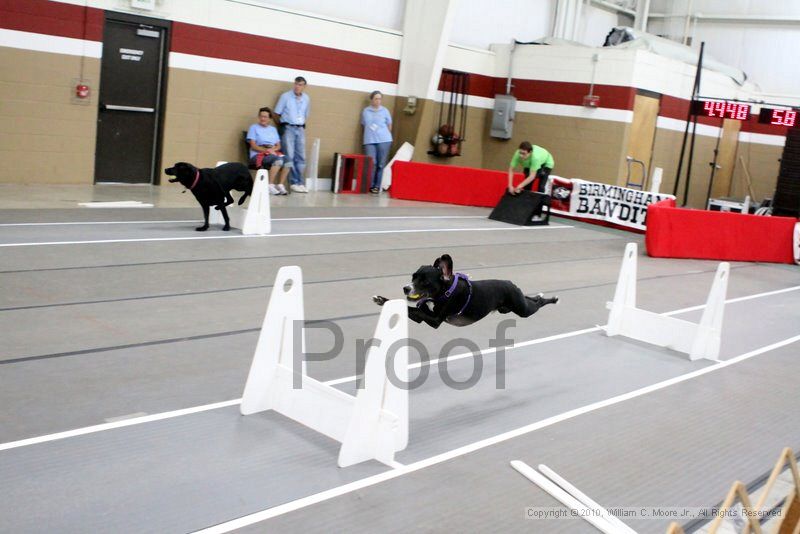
x: 585, y: 499
x: 566, y: 499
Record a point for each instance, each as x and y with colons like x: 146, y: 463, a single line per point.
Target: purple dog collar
x: 453, y: 288
x: 450, y: 291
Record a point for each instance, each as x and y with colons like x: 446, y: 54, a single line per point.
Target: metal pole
x: 695, y: 90
x: 689, y: 165
x: 714, y: 165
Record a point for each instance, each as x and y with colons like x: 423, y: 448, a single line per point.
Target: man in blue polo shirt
x: 292, y: 112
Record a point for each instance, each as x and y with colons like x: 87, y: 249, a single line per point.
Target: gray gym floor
x: 109, y: 316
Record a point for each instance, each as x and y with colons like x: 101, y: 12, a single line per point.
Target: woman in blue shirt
x: 265, y: 146
x: 377, y: 123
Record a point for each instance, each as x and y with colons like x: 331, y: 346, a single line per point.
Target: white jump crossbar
x: 371, y: 425
x: 700, y: 340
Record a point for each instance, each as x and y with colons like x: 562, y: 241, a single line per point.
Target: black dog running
x: 212, y: 187
x: 440, y: 296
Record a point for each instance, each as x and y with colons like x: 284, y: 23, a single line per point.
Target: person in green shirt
x: 530, y: 157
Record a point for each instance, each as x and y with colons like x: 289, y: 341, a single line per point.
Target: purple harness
x: 450, y: 291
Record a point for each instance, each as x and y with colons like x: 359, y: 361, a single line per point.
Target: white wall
x: 383, y: 14
x: 595, y: 25
x: 479, y: 23
x: 765, y: 50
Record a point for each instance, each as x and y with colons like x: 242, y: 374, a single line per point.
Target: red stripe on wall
x: 571, y: 94
x: 67, y: 20
x: 52, y: 18
x: 566, y: 93
x: 226, y: 44
x: 753, y: 126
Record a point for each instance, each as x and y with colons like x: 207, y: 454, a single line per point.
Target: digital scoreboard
x: 721, y: 109
x: 778, y: 117
x: 724, y: 109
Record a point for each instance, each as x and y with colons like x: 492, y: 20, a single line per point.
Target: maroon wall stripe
x: 52, y: 18
x: 566, y: 93
x: 237, y: 46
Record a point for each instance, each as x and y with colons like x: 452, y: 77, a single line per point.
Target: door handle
x: 128, y: 108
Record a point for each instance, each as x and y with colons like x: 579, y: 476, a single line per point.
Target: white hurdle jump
x: 698, y: 340
x: 256, y: 218
x: 371, y: 425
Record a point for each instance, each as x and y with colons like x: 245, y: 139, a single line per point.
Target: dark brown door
x: 130, y: 88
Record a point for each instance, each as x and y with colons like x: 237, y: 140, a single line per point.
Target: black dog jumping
x: 212, y: 187
x: 439, y: 296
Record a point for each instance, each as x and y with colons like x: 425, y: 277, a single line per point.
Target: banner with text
x: 605, y: 202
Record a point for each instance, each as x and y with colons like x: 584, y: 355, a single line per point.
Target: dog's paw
x: 226, y: 228
x: 202, y: 228
x: 380, y: 301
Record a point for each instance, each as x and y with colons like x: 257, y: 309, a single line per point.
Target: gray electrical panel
x: 503, y: 116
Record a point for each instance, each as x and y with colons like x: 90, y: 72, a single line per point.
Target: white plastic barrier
x: 404, y: 153
x: 371, y: 425
x: 256, y: 218
x: 698, y: 340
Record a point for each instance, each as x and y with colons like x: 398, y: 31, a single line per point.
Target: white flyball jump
x: 371, y: 425
x: 256, y: 218
x: 697, y: 340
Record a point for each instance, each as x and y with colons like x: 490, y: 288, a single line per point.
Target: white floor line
x: 309, y: 234
x: 88, y: 223
x: 461, y: 451
x: 117, y: 424
x: 406, y: 217
x: 337, y: 381
x: 737, y: 299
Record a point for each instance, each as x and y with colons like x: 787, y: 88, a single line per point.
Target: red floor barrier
x: 447, y: 184
x: 712, y: 235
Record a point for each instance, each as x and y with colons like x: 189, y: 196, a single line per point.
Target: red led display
x: 721, y: 109
x: 778, y: 117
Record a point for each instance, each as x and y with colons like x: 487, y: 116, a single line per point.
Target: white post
x: 625, y: 294
x: 655, y: 183
x: 709, y: 332
x: 276, y: 340
x: 257, y: 219
x: 312, y: 164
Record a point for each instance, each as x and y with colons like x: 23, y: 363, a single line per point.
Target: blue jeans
x: 379, y: 152
x: 293, y: 146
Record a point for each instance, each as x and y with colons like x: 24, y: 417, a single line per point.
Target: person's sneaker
x: 282, y: 190
x: 304, y: 188
x: 273, y: 190
x: 297, y: 188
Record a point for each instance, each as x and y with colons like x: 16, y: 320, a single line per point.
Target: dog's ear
x: 445, y: 264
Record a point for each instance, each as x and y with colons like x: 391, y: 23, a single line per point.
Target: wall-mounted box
x: 503, y: 116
